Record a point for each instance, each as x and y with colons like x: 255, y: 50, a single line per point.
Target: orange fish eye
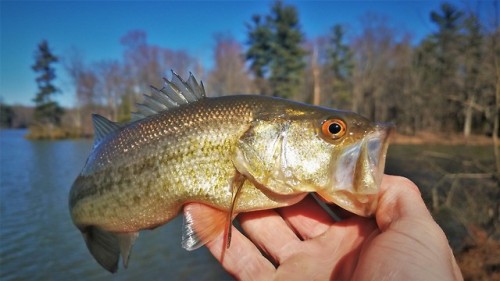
x: 333, y: 128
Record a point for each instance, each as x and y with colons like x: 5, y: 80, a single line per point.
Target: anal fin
x: 106, y: 246
x: 126, y: 241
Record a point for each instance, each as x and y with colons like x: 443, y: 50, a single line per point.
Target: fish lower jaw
x: 363, y: 205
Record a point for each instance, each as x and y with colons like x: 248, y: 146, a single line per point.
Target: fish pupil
x: 334, y: 128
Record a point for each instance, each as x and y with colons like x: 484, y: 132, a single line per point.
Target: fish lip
x: 358, y: 173
x: 378, y: 155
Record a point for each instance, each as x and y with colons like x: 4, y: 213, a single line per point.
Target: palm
x: 303, y: 242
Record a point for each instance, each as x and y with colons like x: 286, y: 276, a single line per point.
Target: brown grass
x: 446, y: 139
x: 49, y: 132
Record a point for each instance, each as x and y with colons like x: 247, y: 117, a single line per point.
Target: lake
x: 38, y: 241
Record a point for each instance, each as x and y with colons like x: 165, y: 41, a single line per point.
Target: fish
x: 234, y: 154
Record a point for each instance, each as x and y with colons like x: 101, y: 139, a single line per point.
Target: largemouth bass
x: 233, y: 153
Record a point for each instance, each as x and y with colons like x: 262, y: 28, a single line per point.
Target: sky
x: 95, y: 29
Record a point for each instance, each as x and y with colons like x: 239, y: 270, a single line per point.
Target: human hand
x: 302, y: 242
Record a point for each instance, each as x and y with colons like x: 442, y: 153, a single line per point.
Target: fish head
x: 339, y: 155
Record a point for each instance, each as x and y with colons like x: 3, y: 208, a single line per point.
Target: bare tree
x: 111, y: 85
x: 146, y: 64
x: 373, y: 60
x: 495, y: 52
x: 85, y: 82
x: 229, y: 75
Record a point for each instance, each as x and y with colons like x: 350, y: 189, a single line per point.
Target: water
x: 38, y: 240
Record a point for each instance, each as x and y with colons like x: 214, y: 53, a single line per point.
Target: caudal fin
x: 106, y: 246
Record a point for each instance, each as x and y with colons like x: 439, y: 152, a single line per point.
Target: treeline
x: 448, y: 82
x: 15, y: 116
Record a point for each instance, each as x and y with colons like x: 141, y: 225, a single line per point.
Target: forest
x: 449, y: 82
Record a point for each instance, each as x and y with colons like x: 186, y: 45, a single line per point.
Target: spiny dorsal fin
x: 174, y: 93
x: 102, y: 127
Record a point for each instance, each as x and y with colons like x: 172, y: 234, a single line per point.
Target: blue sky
x: 95, y: 29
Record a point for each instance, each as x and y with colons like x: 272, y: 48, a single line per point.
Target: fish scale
x: 234, y: 153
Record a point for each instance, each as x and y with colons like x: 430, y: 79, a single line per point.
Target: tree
x: 90, y: 91
x: 287, y: 65
x: 146, y: 64
x: 373, y: 63
x: 47, y: 111
x: 339, y: 66
x: 111, y: 85
x: 472, y: 68
x: 6, y: 116
x: 447, y: 52
x: 229, y: 75
x: 275, y: 50
x: 259, y: 51
x: 339, y: 54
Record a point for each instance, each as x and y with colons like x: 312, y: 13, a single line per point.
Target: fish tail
x: 106, y: 246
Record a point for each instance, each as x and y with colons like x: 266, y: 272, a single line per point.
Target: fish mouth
x: 358, y: 174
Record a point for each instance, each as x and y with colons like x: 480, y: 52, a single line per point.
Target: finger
x: 242, y: 259
x: 399, y: 198
x: 307, y: 218
x: 346, y: 240
x: 270, y: 233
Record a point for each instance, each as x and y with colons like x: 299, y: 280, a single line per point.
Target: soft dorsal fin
x: 102, y: 127
x: 174, y: 93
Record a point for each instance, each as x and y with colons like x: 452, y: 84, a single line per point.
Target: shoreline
x: 441, y: 139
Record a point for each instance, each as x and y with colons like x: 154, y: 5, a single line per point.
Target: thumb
x: 402, y: 211
x: 399, y: 199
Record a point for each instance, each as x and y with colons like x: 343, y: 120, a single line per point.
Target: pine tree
x: 47, y: 111
x: 275, y: 51
x: 288, y: 64
x: 340, y: 65
x: 447, y: 42
x: 259, y: 52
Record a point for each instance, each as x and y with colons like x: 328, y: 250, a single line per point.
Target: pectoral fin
x: 237, y: 183
x: 203, y: 223
x: 106, y: 246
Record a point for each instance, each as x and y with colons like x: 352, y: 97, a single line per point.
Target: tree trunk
x: 468, y: 116
x: 496, y: 118
x: 496, y: 112
x: 315, y: 74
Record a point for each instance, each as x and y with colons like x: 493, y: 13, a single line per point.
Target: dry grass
x: 445, y: 139
x: 48, y: 132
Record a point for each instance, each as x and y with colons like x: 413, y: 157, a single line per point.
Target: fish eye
x: 333, y: 128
